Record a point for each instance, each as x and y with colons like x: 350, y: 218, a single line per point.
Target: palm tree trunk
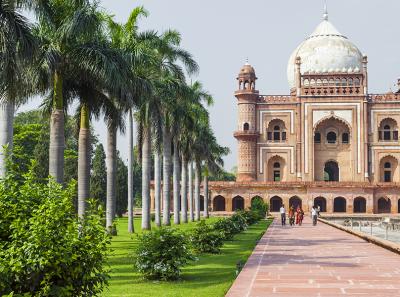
x: 157, y: 187
x: 83, y: 161
x: 111, y: 159
x: 6, y: 134
x: 176, y: 179
x: 146, y: 166
x: 57, y: 141
x: 166, y: 175
x: 190, y: 190
x: 205, y: 186
x: 184, y: 187
x: 197, y: 177
x: 131, y: 198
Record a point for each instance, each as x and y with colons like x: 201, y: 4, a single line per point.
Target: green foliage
x: 259, y: 206
x: 98, y: 176
x: 239, y: 222
x: 122, y: 187
x: 222, y: 175
x: 162, y: 253
x: 45, y: 250
x: 227, y: 227
x: 206, y: 239
x: 25, y: 139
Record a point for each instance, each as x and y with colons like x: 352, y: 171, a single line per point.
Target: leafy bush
x: 206, y: 239
x: 259, y: 206
x: 227, y: 227
x: 161, y: 254
x: 239, y: 222
x: 251, y: 217
x: 45, y: 250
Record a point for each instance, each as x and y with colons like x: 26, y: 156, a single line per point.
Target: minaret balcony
x: 246, y: 135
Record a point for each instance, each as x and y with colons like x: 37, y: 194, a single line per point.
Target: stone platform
x: 321, y: 261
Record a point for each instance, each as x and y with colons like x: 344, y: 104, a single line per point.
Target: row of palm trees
x: 76, y: 52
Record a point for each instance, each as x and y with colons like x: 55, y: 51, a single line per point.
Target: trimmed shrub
x: 251, y: 217
x: 227, y: 227
x: 239, y: 222
x: 45, y: 250
x: 259, y: 206
x: 161, y: 254
x: 206, y: 239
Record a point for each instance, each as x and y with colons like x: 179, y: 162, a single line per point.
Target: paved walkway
x: 321, y: 261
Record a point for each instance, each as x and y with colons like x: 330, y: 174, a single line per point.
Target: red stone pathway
x: 317, y: 261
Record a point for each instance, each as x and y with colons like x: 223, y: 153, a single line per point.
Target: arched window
x: 331, y: 137
x: 276, y: 131
x: 277, y: 165
x: 388, y: 130
x: 388, y: 166
x: 345, y: 138
x: 387, y: 173
x: 317, y: 137
x: 246, y: 126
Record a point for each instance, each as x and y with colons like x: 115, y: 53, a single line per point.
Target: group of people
x: 297, y: 216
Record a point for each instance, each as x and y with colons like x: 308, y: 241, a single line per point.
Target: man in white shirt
x: 282, y: 210
x: 314, y: 215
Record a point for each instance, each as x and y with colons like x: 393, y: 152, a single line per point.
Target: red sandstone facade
x: 329, y: 143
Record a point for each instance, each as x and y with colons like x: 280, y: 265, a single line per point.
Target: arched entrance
x: 321, y: 202
x: 219, y: 203
x: 275, y: 203
x: 295, y: 201
x: 332, y: 149
x: 384, y: 205
x: 276, y: 168
x: 360, y: 205
x: 331, y: 171
x: 237, y: 203
x: 339, y: 204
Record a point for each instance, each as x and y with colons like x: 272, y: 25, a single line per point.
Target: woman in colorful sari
x: 299, y: 216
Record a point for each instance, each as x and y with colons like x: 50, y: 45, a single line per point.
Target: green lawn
x: 211, y: 276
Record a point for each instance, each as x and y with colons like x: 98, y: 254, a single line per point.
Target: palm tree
x: 190, y: 190
x: 68, y: 32
x: 137, y: 46
x: 131, y: 227
x: 157, y: 186
x: 18, y: 46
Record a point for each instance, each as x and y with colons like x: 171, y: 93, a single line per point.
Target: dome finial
x: 325, y: 15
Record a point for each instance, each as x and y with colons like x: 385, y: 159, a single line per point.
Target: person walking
x: 291, y: 215
x: 314, y: 215
x: 282, y: 210
x: 300, y: 216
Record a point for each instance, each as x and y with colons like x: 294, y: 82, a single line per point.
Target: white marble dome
x: 325, y: 50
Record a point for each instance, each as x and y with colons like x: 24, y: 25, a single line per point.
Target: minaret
x: 246, y: 132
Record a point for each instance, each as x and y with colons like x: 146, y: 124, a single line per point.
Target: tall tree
x: 17, y: 46
x: 69, y: 35
x: 135, y: 44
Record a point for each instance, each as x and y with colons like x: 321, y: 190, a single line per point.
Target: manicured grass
x: 211, y: 276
